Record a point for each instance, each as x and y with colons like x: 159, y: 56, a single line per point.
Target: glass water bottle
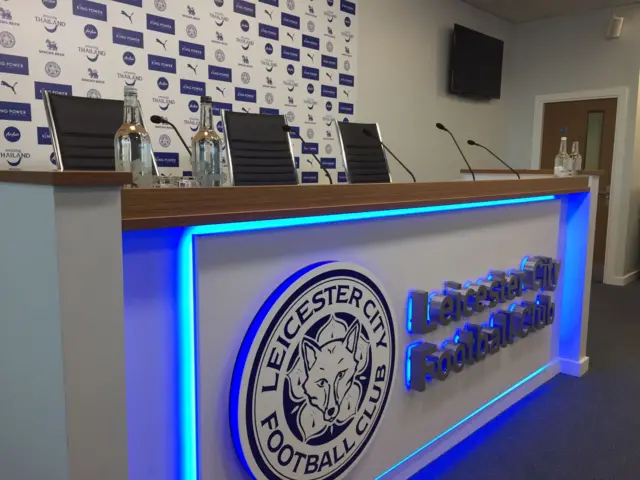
x: 562, y: 164
x: 133, y: 143
x: 206, y: 160
x: 576, y: 158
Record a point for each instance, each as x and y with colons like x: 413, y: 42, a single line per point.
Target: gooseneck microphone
x: 158, y: 120
x: 476, y: 144
x: 440, y: 126
x: 370, y: 134
x: 290, y: 131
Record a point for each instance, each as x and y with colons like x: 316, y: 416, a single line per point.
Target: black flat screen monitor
x: 475, y: 64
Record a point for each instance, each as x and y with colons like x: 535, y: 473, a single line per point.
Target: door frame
x: 615, y: 230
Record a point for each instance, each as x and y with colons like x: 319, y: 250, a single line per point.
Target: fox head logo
x: 336, y: 370
x: 330, y: 370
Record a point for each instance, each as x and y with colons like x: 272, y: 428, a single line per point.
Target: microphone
x: 476, y: 144
x: 370, y: 134
x: 440, y: 126
x: 158, y: 120
x: 289, y: 130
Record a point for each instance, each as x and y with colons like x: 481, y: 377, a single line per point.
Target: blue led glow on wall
x: 187, y: 322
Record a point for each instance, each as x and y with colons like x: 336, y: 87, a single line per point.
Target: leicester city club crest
x: 313, y: 375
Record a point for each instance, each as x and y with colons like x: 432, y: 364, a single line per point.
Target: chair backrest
x: 364, y: 158
x: 83, y: 131
x: 258, y: 149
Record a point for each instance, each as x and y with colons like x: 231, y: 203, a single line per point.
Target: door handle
x: 606, y: 195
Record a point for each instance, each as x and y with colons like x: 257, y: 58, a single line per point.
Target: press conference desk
x: 153, y: 334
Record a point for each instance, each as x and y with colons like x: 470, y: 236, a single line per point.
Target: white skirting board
x: 424, y: 457
x: 623, y: 281
x: 573, y: 368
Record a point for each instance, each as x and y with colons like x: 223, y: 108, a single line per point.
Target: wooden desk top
x: 182, y: 207
x: 504, y: 171
x: 69, y: 178
x: 163, y: 208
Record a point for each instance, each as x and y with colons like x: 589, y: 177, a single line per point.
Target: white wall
x: 570, y: 54
x: 402, y: 71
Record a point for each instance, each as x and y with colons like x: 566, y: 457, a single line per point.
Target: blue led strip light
x: 467, y: 418
x: 187, y: 321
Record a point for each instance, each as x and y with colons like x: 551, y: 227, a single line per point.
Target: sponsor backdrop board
x: 292, y: 57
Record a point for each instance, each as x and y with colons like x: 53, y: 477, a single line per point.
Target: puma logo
x: 311, y: 57
x: 164, y: 44
x: 11, y: 87
x: 290, y: 35
x: 330, y: 370
x: 269, y: 13
x: 195, y: 69
x: 129, y: 16
x: 221, y: 90
x: 330, y: 76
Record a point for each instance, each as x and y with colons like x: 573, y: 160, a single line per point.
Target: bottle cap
x: 205, y: 99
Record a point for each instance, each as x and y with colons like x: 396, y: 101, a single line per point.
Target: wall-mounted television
x: 475, y: 64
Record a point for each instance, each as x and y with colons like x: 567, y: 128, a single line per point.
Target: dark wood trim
x: 504, y: 171
x: 163, y: 208
x: 69, y: 178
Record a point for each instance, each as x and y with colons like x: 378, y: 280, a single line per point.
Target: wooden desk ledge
x: 163, y: 208
x: 69, y: 178
x: 505, y: 171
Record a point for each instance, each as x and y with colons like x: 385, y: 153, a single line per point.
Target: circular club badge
x: 314, y: 375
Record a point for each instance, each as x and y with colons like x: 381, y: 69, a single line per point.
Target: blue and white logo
x: 192, y: 31
x: 50, y: 22
x: 330, y: 3
x: 320, y: 398
x: 52, y: 69
x: 14, y: 64
x: 7, y: 40
x: 12, y: 134
x: 52, y: 158
x: 165, y: 140
x: 44, y: 136
x: 163, y: 83
x: 347, y: 21
x: 244, y: 25
x: 193, y: 106
x: 219, y: 3
x: 219, y: 18
x: 129, y: 58
x: 91, y: 52
x: 291, y: 69
x: 90, y: 31
x: 128, y: 38
x: 162, y: 64
x: 18, y: 112
x: 50, y: 4
x: 268, y: 48
x: 89, y: 9
x: 311, y: 88
x: 329, y: 106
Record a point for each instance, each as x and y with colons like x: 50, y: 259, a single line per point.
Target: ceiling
x: 519, y: 11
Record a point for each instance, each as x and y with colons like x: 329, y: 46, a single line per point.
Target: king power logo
x: 314, y: 374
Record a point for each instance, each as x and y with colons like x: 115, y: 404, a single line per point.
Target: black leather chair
x: 258, y: 149
x: 83, y: 131
x: 364, y: 158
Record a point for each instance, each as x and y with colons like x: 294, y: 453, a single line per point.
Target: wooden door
x: 593, y: 123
